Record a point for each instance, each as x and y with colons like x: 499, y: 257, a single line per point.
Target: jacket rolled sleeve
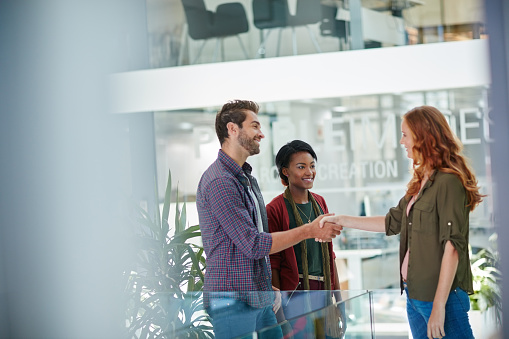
x: 452, y: 214
x: 394, y: 218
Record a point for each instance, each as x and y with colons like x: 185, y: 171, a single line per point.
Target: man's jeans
x: 232, y: 318
x: 456, y: 316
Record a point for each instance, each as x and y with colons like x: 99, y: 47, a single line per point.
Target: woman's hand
x: 372, y: 224
x: 436, y: 322
x: 334, y: 219
x: 327, y: 232
x: 447, y: 272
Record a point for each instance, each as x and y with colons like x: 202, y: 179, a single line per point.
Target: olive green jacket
x: 439, y: 214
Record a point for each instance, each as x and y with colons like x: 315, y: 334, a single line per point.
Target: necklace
x: 310, y: 212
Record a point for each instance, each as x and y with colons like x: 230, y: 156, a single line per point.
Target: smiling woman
x: 309, y: 265
x: 407, y: 139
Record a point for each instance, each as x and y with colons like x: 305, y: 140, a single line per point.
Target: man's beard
x: 249, y: 144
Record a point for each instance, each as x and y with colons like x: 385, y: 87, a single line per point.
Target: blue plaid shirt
x: 236, y: 252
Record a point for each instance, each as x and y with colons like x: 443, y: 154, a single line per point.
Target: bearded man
x: 239, y: 295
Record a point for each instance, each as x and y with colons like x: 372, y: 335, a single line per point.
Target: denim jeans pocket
x: 462, y: 298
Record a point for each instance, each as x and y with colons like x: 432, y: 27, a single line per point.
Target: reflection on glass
x: 352, y: 317
x: 224, y: 315
x: 361, y: 314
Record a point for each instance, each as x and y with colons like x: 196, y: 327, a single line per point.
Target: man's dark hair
x: 285, y: 153
x: 233, y: 111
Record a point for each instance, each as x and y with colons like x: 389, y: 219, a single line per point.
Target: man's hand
x: 277, y: 299
x: 284, y: 239
x: 327, y: 232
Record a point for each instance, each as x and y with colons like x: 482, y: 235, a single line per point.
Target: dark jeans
x: 232, y: 318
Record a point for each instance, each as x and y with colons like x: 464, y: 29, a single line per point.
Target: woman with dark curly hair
x: 433, y: 220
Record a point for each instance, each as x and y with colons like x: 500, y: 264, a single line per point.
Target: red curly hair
x: 436, y: 147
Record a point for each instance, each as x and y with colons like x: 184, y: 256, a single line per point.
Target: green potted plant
x: 487, y: 280
x: 164, y: 280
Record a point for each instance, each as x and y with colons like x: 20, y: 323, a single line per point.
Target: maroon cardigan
x: 285, y: 261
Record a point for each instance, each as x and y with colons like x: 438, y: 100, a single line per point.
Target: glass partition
x: 389, y: 314
x: 367, y: 314
x: 350, y: 318
x: 301, y: 314
x: 186, y: 32
x: 360, y: 314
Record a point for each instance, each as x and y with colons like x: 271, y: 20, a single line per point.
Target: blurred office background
x: 100, y: 100
x: 337, y: 74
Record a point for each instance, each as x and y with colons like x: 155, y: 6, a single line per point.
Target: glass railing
x: 188, y: 32
x: 360, y: 314
x: 301, y: 314
x: 389, y: 314
x: 352, y: 317
x: 347, y: 314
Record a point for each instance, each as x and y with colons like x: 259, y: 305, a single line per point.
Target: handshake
x: 326, y: 227
x: 335, y: 223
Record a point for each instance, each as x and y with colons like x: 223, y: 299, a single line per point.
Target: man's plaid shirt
x: 235, y: 250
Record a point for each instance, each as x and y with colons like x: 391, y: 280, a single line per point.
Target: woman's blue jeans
x: 456, y: 317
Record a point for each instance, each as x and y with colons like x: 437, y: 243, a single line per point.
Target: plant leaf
x: 163, y: 266
x: 166, y: 204
x: 178, y: 229
x: 183, y: 218
x: 188, y: 233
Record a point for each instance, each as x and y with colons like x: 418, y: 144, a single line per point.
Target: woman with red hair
x: 433, y: 220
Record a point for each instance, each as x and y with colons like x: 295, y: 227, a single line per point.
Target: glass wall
x: 184, y: 32
x: 361, y: 167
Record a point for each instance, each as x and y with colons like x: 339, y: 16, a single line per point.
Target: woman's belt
x: 313, y: 277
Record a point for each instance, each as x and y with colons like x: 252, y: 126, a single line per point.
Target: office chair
x: 228, y: 20
x: 330, y: 26
x: 271, y: 14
